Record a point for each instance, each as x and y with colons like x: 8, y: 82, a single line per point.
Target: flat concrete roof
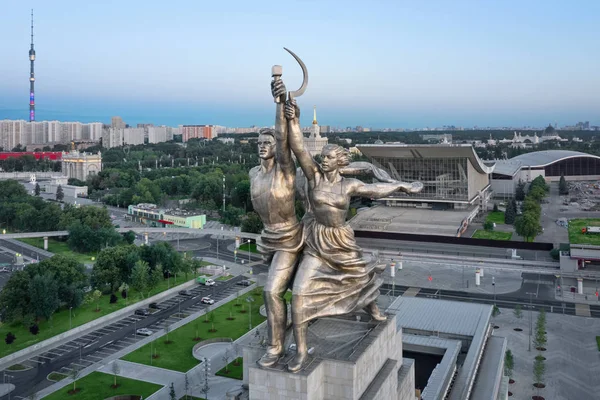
x: 489, y: 376
x: 409, y: 220
x: 417, y: 151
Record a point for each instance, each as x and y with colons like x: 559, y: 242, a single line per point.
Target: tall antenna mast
x: 31, y: 76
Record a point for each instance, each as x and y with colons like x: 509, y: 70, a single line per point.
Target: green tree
x: 155, y: 278
x: 93, y: 298
x: 116, y: 370
x: 37, y: 189
x: 69, y: 275
x: 488, y: 225
x: 539, y: 371
x: 231, y: 216
x: 518, y: 311
x: 520, y: 191
x: 540, y: 182
x: 528, y: 226
x: 252, y: 223
x: 74, y: 375
x: 537, y: 193
x: 43, y: 292
x: 60, y: 195
x: 140, y: 276
x: 509, y: 363
x: 563, y: 188
x: 113, y: 267
x: 511, y: 212
x: 85, y: 239
x: 240, y: 195
x: 15, y: 300
x: 531, y: 205
x: 129, y: 237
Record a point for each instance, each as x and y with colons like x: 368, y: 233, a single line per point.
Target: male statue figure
x: 272, y: 187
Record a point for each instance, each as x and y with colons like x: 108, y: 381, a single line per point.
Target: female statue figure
x: 332, y: 278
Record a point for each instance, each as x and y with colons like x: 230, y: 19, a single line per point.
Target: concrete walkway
x: 6, y: 388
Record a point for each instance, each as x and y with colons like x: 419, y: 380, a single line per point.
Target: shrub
x: 10, y: 338
x: 124, y: 294
x: 34, y: 329
x: 113, y: 298
x: 495, y: 207
x: 488, y: 225
x: 555, y: 254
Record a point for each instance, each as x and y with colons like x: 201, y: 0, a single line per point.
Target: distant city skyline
x: 379, y: 64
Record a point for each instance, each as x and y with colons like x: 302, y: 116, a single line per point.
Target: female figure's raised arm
x: 378, y: 190
x: 296, y: 141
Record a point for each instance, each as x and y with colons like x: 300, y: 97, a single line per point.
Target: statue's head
x: 266, y: 144
x: 334, y: 157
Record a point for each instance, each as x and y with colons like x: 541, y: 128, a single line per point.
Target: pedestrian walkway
x: 412, y: 292
x: 582, y: 310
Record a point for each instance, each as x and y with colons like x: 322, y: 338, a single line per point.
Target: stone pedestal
x: 352, y: 360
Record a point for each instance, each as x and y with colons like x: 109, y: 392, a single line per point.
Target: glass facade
x: 575, y: 166
x: 443, y: 178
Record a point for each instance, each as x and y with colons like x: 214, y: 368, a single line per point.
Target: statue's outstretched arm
x: 283, y: 152
x: 378, y: 190
x: 296, y: 139
x: 365, y: 168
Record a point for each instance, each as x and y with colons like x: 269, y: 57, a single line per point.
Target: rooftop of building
x: 535, y: 159
x: 422, y: 221
x: 459, y: 324
x: 419, y: 151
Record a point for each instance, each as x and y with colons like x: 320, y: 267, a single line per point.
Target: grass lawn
x: 17, y: 367
x: 598, y: 342
x: 493, y: 235
x: 98, y: 385
x: 178, y: 356
x: 224, y: 277
x: 60, y: 320
x: 235, y: 371
x: 57, y: 247
x: 245, y: 246
x: 575, y: 235
x: 56, y: 376
x: 495, y: 216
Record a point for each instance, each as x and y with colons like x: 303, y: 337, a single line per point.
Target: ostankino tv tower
x: 31, y: 77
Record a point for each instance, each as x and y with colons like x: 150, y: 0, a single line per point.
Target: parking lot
x: 103, y: 342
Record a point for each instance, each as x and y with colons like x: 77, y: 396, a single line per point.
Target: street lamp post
x: 494, y: 285
x: 206, y: 369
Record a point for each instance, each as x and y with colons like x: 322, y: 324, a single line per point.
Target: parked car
x: 154, y: 305
x: 207, y: 300
x: 244, y: 283
x: 186, y: 293
x: 142, y: 311
x: 144, y: 332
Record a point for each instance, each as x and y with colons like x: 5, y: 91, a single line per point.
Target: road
x: 95, y: 346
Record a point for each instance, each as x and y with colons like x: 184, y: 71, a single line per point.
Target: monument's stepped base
x: 352, y: 360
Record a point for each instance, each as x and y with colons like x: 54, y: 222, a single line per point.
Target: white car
x: 144, y: 332
x: 207, y: 300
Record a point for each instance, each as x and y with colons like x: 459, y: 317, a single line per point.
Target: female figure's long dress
x: 338, y: 280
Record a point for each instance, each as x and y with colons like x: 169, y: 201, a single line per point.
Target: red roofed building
x: 51, y: 155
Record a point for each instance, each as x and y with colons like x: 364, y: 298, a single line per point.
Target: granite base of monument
x: 351, y: 360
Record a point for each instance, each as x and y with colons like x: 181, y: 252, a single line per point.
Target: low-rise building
x: 152, y: 215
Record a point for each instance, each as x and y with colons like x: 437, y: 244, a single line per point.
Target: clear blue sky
x: 372, y: 63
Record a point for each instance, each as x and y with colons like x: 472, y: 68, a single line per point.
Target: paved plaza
x: 572, y: 356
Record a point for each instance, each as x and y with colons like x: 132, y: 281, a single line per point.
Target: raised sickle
x: 299, y: 92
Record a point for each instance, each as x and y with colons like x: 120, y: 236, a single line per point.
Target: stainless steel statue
x: 332, y: 277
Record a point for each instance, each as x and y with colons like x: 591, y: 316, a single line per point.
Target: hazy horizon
x: 377, y: 64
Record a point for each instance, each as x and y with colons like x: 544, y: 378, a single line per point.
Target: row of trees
x: 139, y: 267
x: 40, y: 289
x: 528, y: 224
